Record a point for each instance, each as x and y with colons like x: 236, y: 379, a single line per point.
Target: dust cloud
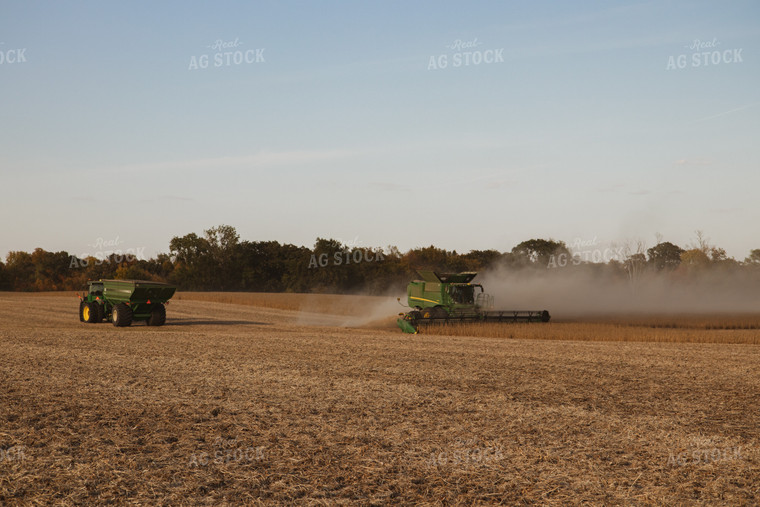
x: 589, y: 291
x: 359, y: 311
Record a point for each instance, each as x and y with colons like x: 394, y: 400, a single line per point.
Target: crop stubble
x: 243, y: 403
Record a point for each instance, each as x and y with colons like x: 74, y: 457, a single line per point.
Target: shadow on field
x: 199, y: 322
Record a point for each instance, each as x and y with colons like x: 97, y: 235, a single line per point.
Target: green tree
x: 192, y: 262
x: 21, y: 270
x: 754, y: 257
x: 132, y: 272
x: 327, y: 267
x: 267, y: 266
x: 694, y: 258
x: 434, y: 258
x: 223, y: 252
x: 479, y: 260
x: 50, y: 269
x: 295, y: 271
x: 5, y: 283
x: 665, y: 255
x: 538, y: 252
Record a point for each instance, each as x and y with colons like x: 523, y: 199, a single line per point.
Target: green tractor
x: 125, y: 301
x: 449, y: 298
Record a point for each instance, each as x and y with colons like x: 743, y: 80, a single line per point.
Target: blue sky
x: 576, y: 129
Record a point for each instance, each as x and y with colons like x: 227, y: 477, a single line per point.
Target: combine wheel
x: 122, y: 315
x: 157, y: 315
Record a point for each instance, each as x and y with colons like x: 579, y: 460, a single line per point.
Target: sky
x: 465, y: 125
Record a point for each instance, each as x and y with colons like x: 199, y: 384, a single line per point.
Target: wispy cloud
x: 493, y: 180
x: 168, y: 198
x: 617, y: 187
x: 730, y: 111
x: 692, y: 161
x: 388, y: 186
x: 259, y: 160
x: 175, y: 198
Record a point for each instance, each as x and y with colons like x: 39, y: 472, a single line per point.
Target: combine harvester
x: 448, y: 298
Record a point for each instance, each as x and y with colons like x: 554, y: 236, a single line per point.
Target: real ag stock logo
x: 580, y: 251
x: 228, y: 451
x: 466, y: 453
x: 15, y: 453
x: 106, y: 251
x: 344, y: 252
x: 705, y: 451
x: 225, y: 54
x: 704, y: 53
x: 464, y: 54
x: 11, y: 56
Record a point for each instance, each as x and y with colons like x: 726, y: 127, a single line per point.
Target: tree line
x: 219, y: 260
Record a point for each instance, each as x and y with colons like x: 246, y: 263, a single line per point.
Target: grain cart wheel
x: 157, y: 315
x: 122, y: 315
x: 81, y: 311
x: 90, y: 313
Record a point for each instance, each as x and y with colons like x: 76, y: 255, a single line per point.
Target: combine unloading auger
x: 450, y: 298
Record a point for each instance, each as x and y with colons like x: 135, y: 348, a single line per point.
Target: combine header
x: 447, y: 298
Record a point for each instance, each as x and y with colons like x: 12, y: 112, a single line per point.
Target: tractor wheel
x: 101, y: 312
x: 90, y: 312
x: 122, y: 315
x: 81, y: 311
x: 157, y: 315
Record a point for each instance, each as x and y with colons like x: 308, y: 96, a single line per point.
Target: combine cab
x: 445, y: 298
x: 124, y: 301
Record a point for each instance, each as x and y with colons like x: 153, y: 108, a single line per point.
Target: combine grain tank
x: 450, y: 298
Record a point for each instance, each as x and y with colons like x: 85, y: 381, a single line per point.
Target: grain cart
x: 124, y: 301
x: 450, y: 298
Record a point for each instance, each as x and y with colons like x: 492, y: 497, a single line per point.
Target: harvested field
x: 257, y: 402
x: 635, y: 330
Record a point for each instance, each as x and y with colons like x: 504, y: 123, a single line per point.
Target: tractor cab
x: 95, y: 289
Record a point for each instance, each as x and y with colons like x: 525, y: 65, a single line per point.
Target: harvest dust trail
x: 381, y: 314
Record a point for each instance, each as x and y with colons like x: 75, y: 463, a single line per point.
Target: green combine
x: 449, y: 298
x: 125, y: 301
